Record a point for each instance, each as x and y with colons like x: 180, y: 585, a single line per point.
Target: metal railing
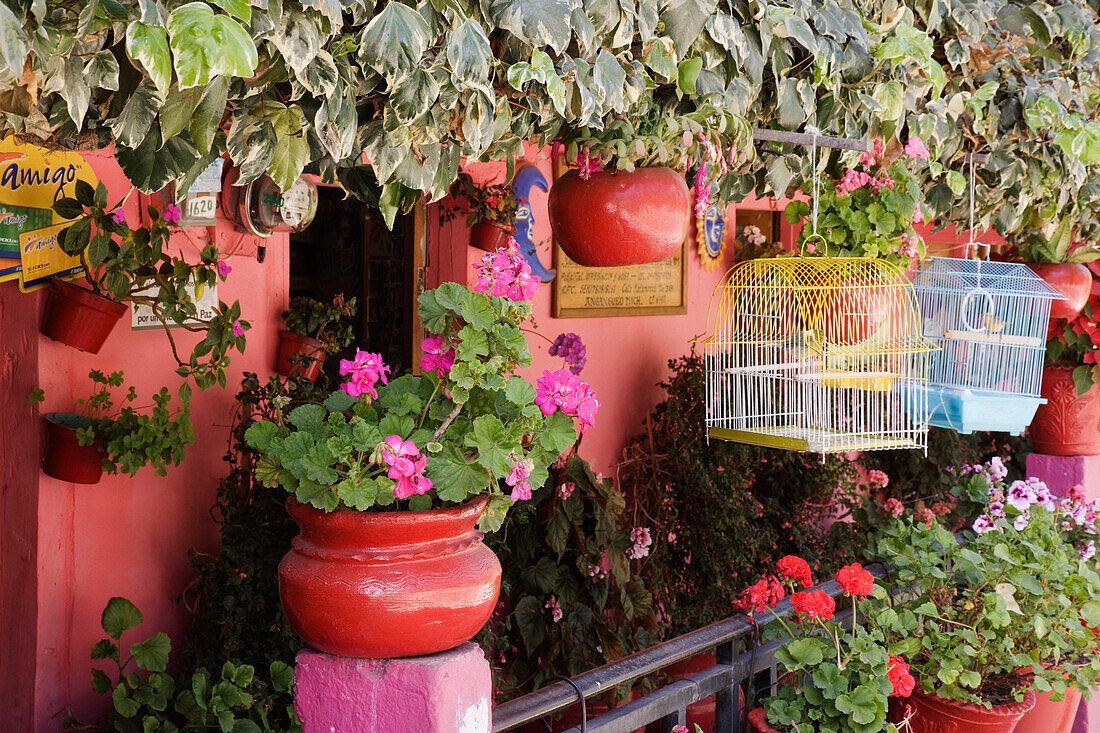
x: 751, y: 673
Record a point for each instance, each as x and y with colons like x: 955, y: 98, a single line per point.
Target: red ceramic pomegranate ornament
x: 1071, y: 280
x: 616, y: 218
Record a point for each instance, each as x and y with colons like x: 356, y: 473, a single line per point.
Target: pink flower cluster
x: 406, y: 467
x: 642, y: 541
x: 438, y: 356
x: 871, y: 157
x: 555, y: 609
x: 566, y: 490
x: 566, y: 391
x: 517, y: 478
x: 878, y: 478
x: 853, y: 180
x: 915, y: 148
x: 597, y: 573
x: 366, y: 370
x: 505, y: 274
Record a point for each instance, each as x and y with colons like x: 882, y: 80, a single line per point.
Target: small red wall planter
x: 78, y: 317
x: 490, y: 235
x: 1067, y: 425
x: 292, y: 344
x: 65, y: 459
x: 388, y: 584
x: 617, y: 218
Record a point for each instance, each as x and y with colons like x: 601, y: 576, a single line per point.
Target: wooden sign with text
x: 658, y: 288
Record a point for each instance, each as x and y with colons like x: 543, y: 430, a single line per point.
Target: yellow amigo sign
x: 31, y: 180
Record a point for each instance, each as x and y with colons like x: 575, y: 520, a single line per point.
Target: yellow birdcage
x: 817, y: 354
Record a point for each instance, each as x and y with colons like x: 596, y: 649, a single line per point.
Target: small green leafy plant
x: 133, y: 265
x: 321, y: 321
x: 1060, y: 248
x: 485, y: 202
x: 133, y: 437
x: 146, y: 698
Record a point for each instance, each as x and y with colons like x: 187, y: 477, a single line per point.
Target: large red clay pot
x: 388, y: 584
x: 616, y: 218
x: 490, y: 235
x: 291, y: 344
x: 1067, y: 425
x: 933, y: 714
x: 1072, y: 281
x: 78, y: 317
x: 1051, y: 717
x: 65, y: 458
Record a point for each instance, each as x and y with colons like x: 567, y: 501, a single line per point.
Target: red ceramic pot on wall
x: 616, y: 218
x: 1051, y: 717
x: 1072, y: 281
x: 490, y: 235
x: 78, y: 317
x: 65, y: 459
x: 933, y: 714
x: 388, y: 584
x: 1067, y: 425
x: 291, y: 344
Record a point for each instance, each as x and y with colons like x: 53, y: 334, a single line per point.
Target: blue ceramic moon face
x: 714, y: 227
x: 526, y: 178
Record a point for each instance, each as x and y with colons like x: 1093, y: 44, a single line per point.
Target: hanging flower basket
x: 1068, y: 424
x: 65, y: 459
x: 388, y: 584
x: 616, y: 218
x: 490, y: 235
x: 78, y: 317
x: 310, y: 352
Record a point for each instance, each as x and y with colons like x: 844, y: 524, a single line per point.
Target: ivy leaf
x: 684, y: 21
x: 394, y: 41
x: 152, y: 654
x: 536, y: 22
x: 208, y: 115
x: 179, y: 107
x: 118, y: 616
x: 205, y: 45
x: 413, y: 95
x: 152, y: 165
x: 298, y: 38
x: 469, y: 54
x: 687, y: 72
x: 13, y: 42
x: 236, y: 8
x: 791, y: 112
x: 291, y: 148
x: 102, y: 71
x: 662, y: 59
x: 148, y: 45
x: 75, y: 92
x: 136, y: 119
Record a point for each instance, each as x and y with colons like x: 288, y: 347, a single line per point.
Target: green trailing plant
x: 321, y: 321
x: 132, y: 437
x: 572, y: 595
x: 718, y: 511
x: 1059, y: 248
x: 494, y: 202
x: 133, y: 265
x: 1074, y: 343
x: 145, y: 697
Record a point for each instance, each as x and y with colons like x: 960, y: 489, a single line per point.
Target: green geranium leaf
x: 152, y: 654
x: 119, y: 615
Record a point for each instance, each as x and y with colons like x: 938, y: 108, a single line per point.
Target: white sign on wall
x: 142, y: 318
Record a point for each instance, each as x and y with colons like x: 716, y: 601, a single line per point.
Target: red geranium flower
x: 796, y: 569
x: 899, y: 675
x: 760, y: 596
x: 855, y: 580
x: 814, y: 605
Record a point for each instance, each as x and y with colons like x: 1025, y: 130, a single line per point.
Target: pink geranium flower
x: 438, y: 357
x: 563, y: 390
x: 505, y: 274
x: 365, y: 370
x: 223, y: 268
x: 172, y: 214
x: 915, y: 148
x: 119, y: 216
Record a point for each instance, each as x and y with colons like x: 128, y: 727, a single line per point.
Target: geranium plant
x: 1010, y: 607
x: 324, y: 322
x: 133, y: 265
x: 870, y: 211
x: 466, y: 426
x: 484, y: 202
x: 1075, y: 343
x: 847, y: 675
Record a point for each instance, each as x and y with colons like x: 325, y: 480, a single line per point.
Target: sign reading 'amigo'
x: 658, y: 288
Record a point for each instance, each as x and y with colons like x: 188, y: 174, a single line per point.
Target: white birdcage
x: 816, y: 354
x: 989, y: 320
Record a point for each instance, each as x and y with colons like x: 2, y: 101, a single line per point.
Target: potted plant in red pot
x: 391, y: 479
x: 1062, y: 263
x: 314, y: 331
x: 111, y: 434
x: 624, y: 200
x: 1068, y: 423
x: 989, y: 621
x: 491, y: 211
x: 845, y: 675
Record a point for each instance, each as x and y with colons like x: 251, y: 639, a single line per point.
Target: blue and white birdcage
x: 989, y: 320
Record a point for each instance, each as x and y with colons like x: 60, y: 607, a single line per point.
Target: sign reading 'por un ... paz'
x: 31, y: 180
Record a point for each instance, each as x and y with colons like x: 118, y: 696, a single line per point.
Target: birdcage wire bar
x: 816, y: 354
x: 989, y: 321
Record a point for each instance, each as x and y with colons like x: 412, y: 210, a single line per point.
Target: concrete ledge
x: 449, y: 692
x: 1063, y: 472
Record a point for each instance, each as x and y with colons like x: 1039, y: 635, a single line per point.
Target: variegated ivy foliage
x: 284, y: 85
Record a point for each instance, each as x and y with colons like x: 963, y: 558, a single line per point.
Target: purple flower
x: 1021, y: 522
x: 569, y: 347
x: 997, y: 509
x: 983, y: 524
x: 1021, y: 495
x: 224, y: 269
x: 238, y: 329
x: 1089, y: 552
x: 996, y: 467
x: 172, y: 214
x: 119, y: 216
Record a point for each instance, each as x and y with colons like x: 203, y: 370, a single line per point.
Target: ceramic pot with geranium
x: 491, y: 211
x: 314, y: 331
x: 392, y: 481
x: 847, y: 675
x: 989, y: 619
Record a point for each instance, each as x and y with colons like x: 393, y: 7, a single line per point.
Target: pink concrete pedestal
x: 448, y: 692
x: 1060, y: 474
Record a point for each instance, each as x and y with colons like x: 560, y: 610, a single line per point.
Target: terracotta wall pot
x: 490, y: 235
x: 617, y: 218
x: 291, y: 344
x: 1067, y: 425
x: 1072, y: 281
x: 65, y: 459
x: 933, y: 714
x: 1051, y: 717
x: 78, y: 317
x: 388, y: 584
